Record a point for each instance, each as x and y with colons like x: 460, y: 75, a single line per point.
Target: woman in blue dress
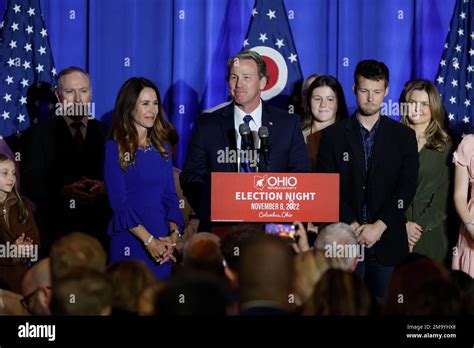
x: 138, y: 170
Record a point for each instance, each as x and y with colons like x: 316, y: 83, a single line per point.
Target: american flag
x: 270, y: 35
x: 456, y: 69
x: 25, y: 61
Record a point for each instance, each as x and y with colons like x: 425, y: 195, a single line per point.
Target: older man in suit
x: 217, y: 133
x: 377, y: 160
x: 62, y: 164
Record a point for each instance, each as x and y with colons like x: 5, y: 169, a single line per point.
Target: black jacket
x: 389, y: 185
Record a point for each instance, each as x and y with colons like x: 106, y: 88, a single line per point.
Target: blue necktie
x: 244, y: 164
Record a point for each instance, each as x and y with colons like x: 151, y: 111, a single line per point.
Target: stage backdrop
x: 183, y: 45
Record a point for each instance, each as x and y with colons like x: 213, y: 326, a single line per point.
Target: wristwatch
x: 180, y: 234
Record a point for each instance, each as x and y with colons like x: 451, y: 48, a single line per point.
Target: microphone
x: 265, y: 148
x: 247, y: 138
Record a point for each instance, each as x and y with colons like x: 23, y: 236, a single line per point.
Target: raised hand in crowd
x: 301, y: 237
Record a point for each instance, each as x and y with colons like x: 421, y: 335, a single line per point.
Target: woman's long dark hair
x: 333, y: 83
x: 123, y: 129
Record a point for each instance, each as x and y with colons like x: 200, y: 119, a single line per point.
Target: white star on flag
x: 7, y: 97
x: 465, y: 119
x: 468, y: 85
x: 53, y: 71
x: 467, y: 102
x: 456, y: 65
x: 454, y: 82
x: 246, y: 42
x: 458, y: 48
x: 462, y: 15
x: 292, y: 57
x: 461, y: 32
x: 452, y: 100
x: 26, y: 60
x: 443, y: 62
x: 263, y: 37
x: 440, y: 79
x: 271, y: 14
x: 279, y: 43
x: 451, y: 117
x: 471, y: 52
x: 254, y: 12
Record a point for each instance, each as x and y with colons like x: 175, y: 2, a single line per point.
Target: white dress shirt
x: 254, y: 125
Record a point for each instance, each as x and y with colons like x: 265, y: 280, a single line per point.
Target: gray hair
x: 337, y: 234
x: 70, y: 70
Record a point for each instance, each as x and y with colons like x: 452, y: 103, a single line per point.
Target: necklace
x: 147, y: 147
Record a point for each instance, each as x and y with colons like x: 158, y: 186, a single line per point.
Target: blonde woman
x: 426, y: 226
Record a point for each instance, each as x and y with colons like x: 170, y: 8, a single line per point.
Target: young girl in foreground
x: 17, y: 228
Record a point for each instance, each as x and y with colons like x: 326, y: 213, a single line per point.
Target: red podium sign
x: 275, y: 197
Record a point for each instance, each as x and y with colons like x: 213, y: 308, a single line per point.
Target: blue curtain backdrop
x: 183, y: 45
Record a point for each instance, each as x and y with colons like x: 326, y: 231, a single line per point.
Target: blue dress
x: 145, y: 195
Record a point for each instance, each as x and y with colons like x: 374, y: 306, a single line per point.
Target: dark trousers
x: 375, y: 275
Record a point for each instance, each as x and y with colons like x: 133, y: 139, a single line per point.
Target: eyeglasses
x: 25, y: 301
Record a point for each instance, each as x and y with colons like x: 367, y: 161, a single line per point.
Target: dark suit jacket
x: 51, y: 160
x: 388, y: 187
x: 215, y: 131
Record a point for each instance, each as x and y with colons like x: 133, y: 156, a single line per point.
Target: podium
x: 274, y: 197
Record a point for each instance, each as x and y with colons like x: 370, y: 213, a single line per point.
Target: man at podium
x: 246, y: 135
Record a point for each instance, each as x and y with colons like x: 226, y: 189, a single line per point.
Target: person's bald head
x: 37, y: 276
x: 36, y: 288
